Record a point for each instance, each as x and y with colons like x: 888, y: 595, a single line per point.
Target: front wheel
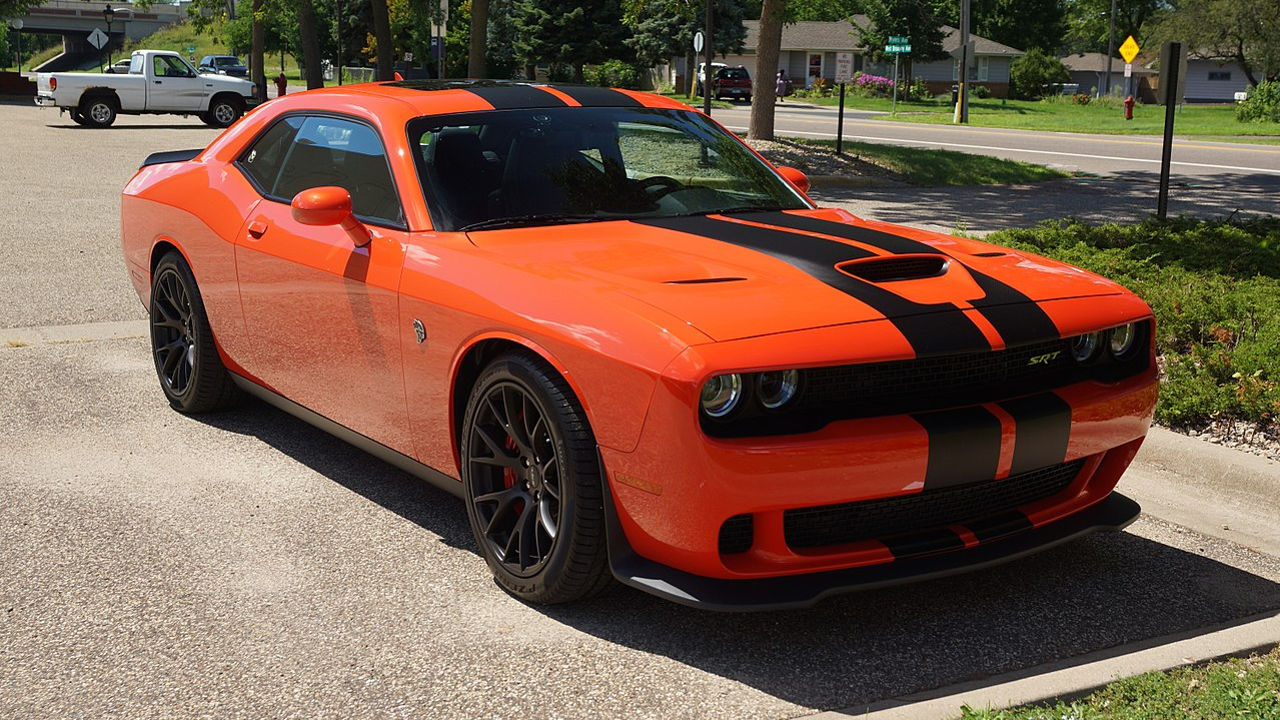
x: 222, y: 113
x: 99, y: 112
x: 533, y: 483
x: 191, y: 373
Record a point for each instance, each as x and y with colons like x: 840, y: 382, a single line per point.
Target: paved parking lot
x: 246, y: 565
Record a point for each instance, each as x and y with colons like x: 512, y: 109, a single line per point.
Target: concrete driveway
x: 245, y: 565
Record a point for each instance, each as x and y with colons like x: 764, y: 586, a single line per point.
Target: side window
x: 165, y: 66
x: 262, y: 161
x: 331, y: 151
x: 135, y: 64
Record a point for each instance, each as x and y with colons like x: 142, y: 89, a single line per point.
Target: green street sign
x: 898, y: 40
x: 897, y: 49
x: 191, y: 48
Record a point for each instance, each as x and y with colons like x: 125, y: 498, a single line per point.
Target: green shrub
x: 982, y: 92
x: 918, y: 90
x: 613, y: 73
x: 1214, y: 287
x: 1262, y: 105
x: 1037, y: 74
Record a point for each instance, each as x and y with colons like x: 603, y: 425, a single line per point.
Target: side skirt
x: 342, y: 432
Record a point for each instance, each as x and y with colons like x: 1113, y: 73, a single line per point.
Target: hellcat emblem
x: 419, y: 330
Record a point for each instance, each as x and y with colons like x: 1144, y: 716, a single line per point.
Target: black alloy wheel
x: 191, y: 374
x: 533, y: 483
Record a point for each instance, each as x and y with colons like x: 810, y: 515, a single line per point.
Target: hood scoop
x: 704, y: 281
x: 895, y: 268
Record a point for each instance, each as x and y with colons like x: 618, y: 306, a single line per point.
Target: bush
x: 1081, y: 98
x: 917, y: 90
x: 982, y: 92
x: 613, y: 73
x: 1215, y: 289
x: 1262, y: 105
x: 1036, y: 74
x: 873, y: 86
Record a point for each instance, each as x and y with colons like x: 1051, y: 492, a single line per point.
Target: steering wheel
x: 659, y: 185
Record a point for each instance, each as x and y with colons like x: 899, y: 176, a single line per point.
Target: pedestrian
x: 781, y: 86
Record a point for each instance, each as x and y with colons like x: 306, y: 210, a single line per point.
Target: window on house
x: 1220, y: 75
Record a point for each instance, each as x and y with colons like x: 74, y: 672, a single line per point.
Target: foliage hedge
x: 1262, y: 105
x: 1215, y: 289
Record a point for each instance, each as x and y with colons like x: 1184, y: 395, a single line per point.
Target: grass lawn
x: 1063, y: 116
x: 697, y: 101
x: 1236, y: 689
x: 1215, y: 289
x: 918, y: 166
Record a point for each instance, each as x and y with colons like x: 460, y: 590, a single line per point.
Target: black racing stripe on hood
x: 588, y: 96
x: 507, y: 97
x: 1016, y: 317
x: 931, y: 329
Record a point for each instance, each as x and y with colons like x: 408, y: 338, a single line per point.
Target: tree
x: 1247, y: 31
x: 16, y: 8
x: 257, y: 52
x: 769, y: 44
x: 571, y: 32
x: 662, y: 29
x: 479, y: 39
x: 382, y: 38
x: 1036, y: 73
x: 912, y: 18
x: 1022, y: 24
x: 820, y: 10
x: 1088, y: 22
x: 309, y: 42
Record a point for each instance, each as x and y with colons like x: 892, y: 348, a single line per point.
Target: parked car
x: 119, y: 67
x: 702, y: 75
x: 632, y: 347
x: 733, y: 83
x: 224, y: 65
x: 158, y: 82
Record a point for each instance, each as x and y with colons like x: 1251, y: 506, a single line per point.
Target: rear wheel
x: 533, y: 483
x: 191, y: 373
x: 99, y: 111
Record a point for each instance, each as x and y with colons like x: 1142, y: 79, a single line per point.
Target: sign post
x: 844, y: 74
x: 1129, y: 50
x: 1172, y: 58
x: 896, y: 47
x: 98, y: 39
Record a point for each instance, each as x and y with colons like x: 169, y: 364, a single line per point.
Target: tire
x: 747, y: 99
x: 99, y: 111
x: 533, y: 483
x: 191, y: 373
x: 223, y: 112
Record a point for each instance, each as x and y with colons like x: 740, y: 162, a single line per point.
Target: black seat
x: 462, y: 175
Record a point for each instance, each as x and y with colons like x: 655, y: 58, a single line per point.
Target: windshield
x: 546, y: 166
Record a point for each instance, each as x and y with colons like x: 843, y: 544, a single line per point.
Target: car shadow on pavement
x: 1122, y: 197
x: 1097, y: 593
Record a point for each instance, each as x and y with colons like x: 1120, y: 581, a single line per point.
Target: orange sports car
x: 635, y: 348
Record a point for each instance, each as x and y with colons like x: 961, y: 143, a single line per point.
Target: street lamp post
x: 108, y: 14
x: 16, y: 24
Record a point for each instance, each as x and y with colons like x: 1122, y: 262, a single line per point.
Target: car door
x: 323, y: 312
x: 174, y: 86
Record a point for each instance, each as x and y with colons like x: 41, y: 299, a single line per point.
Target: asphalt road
x: 1097, y: 154
x: 245, y: 565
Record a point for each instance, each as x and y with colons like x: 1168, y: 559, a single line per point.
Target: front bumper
x: 798, y: 591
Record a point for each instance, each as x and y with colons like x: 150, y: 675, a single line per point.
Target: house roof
x: 844, y: 35
x: 1097, y: 63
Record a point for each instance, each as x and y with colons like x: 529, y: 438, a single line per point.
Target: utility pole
x: 338, y: 19
x: 962, y: 102
x: 1111, y: 45
x: 709, y: 55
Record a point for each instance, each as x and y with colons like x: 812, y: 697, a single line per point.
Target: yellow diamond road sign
x: 1129, y: 50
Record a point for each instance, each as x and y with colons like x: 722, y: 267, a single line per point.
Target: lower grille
x: 736, y: 534
x: 927, y: 510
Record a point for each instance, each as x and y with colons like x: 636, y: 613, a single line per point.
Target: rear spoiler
x: 171, y: 156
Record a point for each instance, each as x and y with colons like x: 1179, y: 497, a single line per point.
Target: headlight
x: 1084, y: 347
x: 721, y: 395
x: 775, y: 389
x: 1123, y: 339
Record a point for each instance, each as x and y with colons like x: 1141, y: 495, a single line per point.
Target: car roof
x: 439, y: 97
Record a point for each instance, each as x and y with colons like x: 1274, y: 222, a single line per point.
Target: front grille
x: 736, y: 534
x: 926, y: 510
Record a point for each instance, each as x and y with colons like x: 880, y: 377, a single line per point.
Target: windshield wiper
x: 527, y: 220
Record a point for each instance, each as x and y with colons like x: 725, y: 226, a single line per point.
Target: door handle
x: 257, y: 229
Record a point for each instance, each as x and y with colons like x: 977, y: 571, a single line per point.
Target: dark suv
x: 733, y: 83
x: 223, y: 65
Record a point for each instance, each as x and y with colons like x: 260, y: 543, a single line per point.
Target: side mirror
x: 795, y: 177
x: 329, y: 205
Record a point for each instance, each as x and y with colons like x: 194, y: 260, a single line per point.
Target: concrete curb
x: 1075, y: 677
x: 88, y: 332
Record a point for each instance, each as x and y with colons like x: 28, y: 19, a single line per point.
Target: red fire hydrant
x: 282, y: 84
x: 1128, y: 108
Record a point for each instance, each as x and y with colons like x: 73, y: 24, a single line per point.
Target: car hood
x: 746, y: 275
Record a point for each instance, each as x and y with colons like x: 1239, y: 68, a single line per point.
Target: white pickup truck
x: 158, y: 81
